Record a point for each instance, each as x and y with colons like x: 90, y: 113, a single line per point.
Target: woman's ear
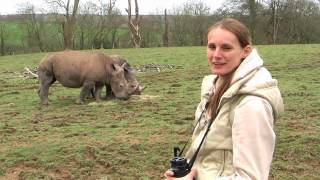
x: 246, y: 51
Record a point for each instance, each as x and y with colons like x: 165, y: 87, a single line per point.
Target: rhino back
x: 72, y: 68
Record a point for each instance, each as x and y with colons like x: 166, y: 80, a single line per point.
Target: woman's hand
x: 169, y: 175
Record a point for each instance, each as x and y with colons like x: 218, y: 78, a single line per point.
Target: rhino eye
x: 120, y: 86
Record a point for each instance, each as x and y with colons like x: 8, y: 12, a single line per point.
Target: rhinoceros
x: 133, y: 85
x: 89, y: 70
x: 134, y: 88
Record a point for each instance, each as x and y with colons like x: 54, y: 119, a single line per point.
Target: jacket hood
x: 251, y: 78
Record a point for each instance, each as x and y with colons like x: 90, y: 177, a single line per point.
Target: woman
x: 242, y: 101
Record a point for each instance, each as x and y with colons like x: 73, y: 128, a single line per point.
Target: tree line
x: 74, y: 25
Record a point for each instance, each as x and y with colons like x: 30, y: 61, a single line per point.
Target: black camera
x: 179, y: 166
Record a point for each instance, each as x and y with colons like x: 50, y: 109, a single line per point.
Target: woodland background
x: 80, y: 25
x: 134, y: 139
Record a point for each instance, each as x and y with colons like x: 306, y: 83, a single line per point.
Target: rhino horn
x: 141, y: 88
x: 138, y: 90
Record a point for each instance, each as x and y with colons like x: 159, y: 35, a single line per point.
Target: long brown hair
x: 242, y: 33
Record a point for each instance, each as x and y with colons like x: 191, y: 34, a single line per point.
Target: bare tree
x: 34, y: 25
x: 98, y: 25
x: 301, y: 21
x: 200, y: 16
x: 189, y: 22
x: 112, y: 21
x: 245, y: 10
x: 275, y: 18
x: 69, y: 20
x: 134, y: 24
x: 165, y: 36
x: 252, y: 16
x: 152, y: 32
x: 87, y: 25
x: 102, y: 23
x: 179, y: 29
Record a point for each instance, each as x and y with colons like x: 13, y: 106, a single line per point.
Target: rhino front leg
x: 109, y: 93
x: 46, y: 79
x: 97, y: 92
x: 85, y: 91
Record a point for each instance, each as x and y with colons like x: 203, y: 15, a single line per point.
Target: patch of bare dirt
x: 61, y: 173
x: 18, y: 172
x: 13, y: 173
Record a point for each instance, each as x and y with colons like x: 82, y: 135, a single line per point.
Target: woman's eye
x: 226, y: 47
x: 211, y: 46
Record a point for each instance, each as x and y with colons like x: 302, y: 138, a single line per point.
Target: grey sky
x: 145, y: 6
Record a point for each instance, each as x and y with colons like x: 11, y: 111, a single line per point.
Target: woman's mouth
x: 218, y: 64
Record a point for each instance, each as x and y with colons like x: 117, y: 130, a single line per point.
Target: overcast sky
x: 145, y: 6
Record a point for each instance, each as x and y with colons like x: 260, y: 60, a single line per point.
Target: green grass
x: 134, y: 139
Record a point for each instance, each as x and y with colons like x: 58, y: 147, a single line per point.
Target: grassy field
x: 134, y: 139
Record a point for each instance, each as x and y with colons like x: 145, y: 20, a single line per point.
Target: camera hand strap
x: 192, y: 160
x: 176, y: 149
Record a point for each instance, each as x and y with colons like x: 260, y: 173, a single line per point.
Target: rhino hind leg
x: 46, y: 80
x: 90, y: 94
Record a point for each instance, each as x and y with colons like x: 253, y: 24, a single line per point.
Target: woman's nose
x: 216, y: 53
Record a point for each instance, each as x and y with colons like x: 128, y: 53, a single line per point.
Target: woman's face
x: 224, y: 51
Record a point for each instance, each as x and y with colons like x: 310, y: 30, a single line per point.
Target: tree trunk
x: 68, y: 25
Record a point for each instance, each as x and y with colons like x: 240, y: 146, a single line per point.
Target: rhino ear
x: 128, y: 67
x: 116, y: 67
